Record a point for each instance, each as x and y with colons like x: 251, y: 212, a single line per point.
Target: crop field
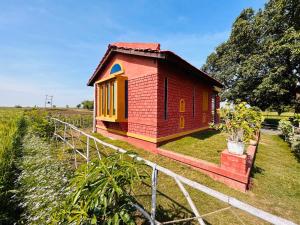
x: 11, y: 129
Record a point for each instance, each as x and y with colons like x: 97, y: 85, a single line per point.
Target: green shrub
x: 295, y: 145
x: 101, y: 193
x: 39, y: 123
x: 286, y: 128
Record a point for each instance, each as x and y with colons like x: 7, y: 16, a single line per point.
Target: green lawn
x: 272, y: 118
x: 276, y: 182
x: 206, y: 145
x: 274, y: 115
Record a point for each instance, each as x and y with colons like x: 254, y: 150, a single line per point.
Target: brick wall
x: 142, y: 95
x: 142, y: 105
x: 181, y: 85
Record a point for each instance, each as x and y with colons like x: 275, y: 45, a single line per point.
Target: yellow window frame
x: 111, y: 99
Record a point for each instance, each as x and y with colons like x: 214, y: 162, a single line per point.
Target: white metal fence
x: 66, y: 133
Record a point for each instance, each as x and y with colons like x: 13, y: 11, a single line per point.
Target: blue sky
x: 52, y: 47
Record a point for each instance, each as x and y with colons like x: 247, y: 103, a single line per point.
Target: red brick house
x: 147, y: 96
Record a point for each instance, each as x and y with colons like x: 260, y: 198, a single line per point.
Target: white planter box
x: 235, y: 147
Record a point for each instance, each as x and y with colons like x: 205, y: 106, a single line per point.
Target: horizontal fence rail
x: 69, y: 129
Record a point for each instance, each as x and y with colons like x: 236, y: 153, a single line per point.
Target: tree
x: 87, y: 104
x: 260, y: 62
x: 78, y: 106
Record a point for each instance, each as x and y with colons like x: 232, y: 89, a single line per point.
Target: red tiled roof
x: 137, y: 45
x: 149, y: 48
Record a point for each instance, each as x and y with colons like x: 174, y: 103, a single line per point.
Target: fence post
x: 94, y: 110
x: 65, y: 130
x: 190, y: 201
x: 154, y: 187
x: 87, y: 149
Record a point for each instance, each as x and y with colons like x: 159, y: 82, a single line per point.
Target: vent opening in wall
x: 166, y: 99
x: 182, y: 105
x: 181, y: 122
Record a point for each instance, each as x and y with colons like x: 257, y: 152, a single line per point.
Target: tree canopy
x: 87, y: 104
x: 260, y: 62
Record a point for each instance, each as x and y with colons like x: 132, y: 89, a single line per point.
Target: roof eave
x: 165, y: 55
x: 175, y: 58
x: 110, y: 51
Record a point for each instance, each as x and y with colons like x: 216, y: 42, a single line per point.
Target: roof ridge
x: 136, y: 45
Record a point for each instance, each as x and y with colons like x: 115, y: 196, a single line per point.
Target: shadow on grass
x: 201, y: 135
x: 174, y: 212
x: 256, y: 170
x: 204, y: 134
x: 296, y: 153
x: 271, y: 122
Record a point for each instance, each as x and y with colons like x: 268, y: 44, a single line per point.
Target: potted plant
x: 239, y: 124
x: 255, y: 119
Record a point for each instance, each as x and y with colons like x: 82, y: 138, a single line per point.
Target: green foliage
x: 42, y: 182
x: 295, y: 145
x: 39, y: 123
x: 87, y: 104
x: 240, y: 122
x: 286, y: 128
x: 101, y: 193
x: 12, y: 130
x: 296, y: 120
x: 291, y: 135
x: 260, y: 62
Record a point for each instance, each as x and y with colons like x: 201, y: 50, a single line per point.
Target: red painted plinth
x: 234, y: 163
x: 232, y: 177
x: 233, y: 171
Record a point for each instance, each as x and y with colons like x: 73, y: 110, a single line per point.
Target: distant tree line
x: 86, y: 105
x: 260, y: 62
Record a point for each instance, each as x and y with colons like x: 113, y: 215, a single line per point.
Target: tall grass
x: 42, y: 181
x: 12, y: 130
